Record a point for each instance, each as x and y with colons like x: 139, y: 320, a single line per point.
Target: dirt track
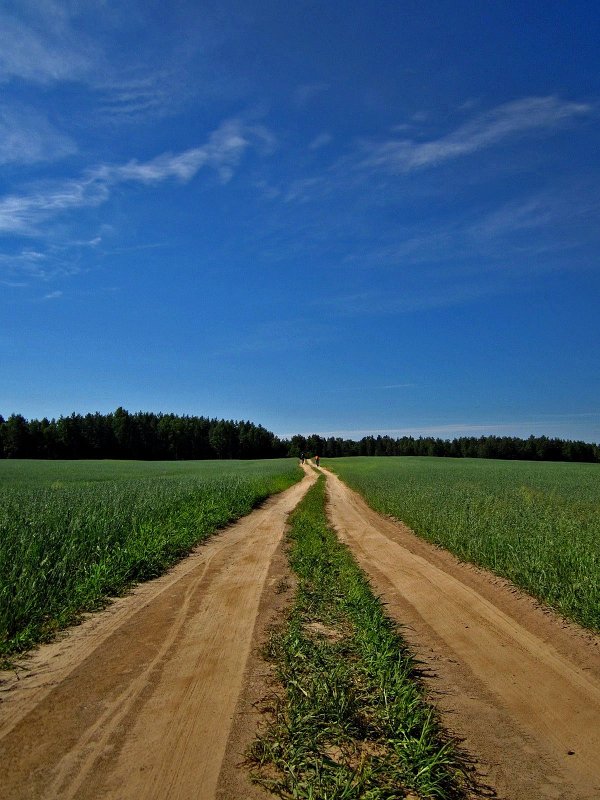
x: 138, y: 701
x: 152, y: 698
x: 521, y: 688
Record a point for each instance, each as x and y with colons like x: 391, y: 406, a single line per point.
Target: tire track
x: 527, y: 709
x: 140, y: 703
x: 82, y: 759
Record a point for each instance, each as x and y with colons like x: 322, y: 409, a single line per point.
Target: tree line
x: 167, y: 437
x: 144, y: 436
x: 534, y: 448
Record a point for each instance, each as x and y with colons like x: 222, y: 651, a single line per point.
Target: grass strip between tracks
x: 350, y: 720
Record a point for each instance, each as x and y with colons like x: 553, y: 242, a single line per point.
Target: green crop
x: 74, y: 533
x: 349, y: 720
x: 537, y: 524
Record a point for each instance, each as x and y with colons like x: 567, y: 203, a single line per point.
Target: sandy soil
x: 519, y: 685
x: 259, y: 685
x: 138, y: 701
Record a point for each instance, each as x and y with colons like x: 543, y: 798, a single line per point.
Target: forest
x: 143, y: 435
x: 170, y: 437
x: 534, y: 448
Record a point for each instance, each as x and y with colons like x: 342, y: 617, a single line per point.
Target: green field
x: 73, y: 533
x: 537, y: 524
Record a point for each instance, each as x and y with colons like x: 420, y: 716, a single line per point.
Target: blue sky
x: 324, y: 217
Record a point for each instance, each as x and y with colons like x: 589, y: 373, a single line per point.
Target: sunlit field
x: 537, y: 524
x: 73, y: 533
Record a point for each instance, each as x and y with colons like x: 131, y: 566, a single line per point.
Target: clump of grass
x: 352, y: 721
x: 537, y: 524
x: 73, y: 534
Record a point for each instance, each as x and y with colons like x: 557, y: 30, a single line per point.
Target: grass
x: 74, y: 533
x: 537, y: 524
x: 350, y: 720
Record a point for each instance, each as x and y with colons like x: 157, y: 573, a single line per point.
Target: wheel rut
x: 138, y: 701
x: 522, y: 689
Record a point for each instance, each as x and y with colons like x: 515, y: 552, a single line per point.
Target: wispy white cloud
x: 139, y: 91
x: 222, y: 152
x: 322, y: 140
x: 18, y: 268
x: 560, y: 209
x: 53, y: 295
x: 129, y: 98
x: 22, y: 214
x: 27, y: 137
x: 51, y: 42
x: 267, y: 189
x: 300, y: 190
x: 38, y: 43
x: 527, y: 115
x: 504, y: 240
x: 133, y: 85
x: 356, y: 174
x: 14, y: 284
x: 30, y: 256
x: 533, y: 212
x: 26, y: 263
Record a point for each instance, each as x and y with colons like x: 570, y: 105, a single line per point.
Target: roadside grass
x: 72, y: 534
x: 349, y: 719
x: 537, y: 524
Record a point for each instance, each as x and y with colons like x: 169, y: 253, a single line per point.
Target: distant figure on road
x: 317, y: 460
x: 302, y: 458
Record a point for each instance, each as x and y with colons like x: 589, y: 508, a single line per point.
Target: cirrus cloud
x: 527, y: 115
x: 22, y: 214
x: 28, y: 137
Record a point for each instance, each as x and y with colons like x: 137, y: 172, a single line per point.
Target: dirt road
x: 137, y: 702
x: 521, y: 688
